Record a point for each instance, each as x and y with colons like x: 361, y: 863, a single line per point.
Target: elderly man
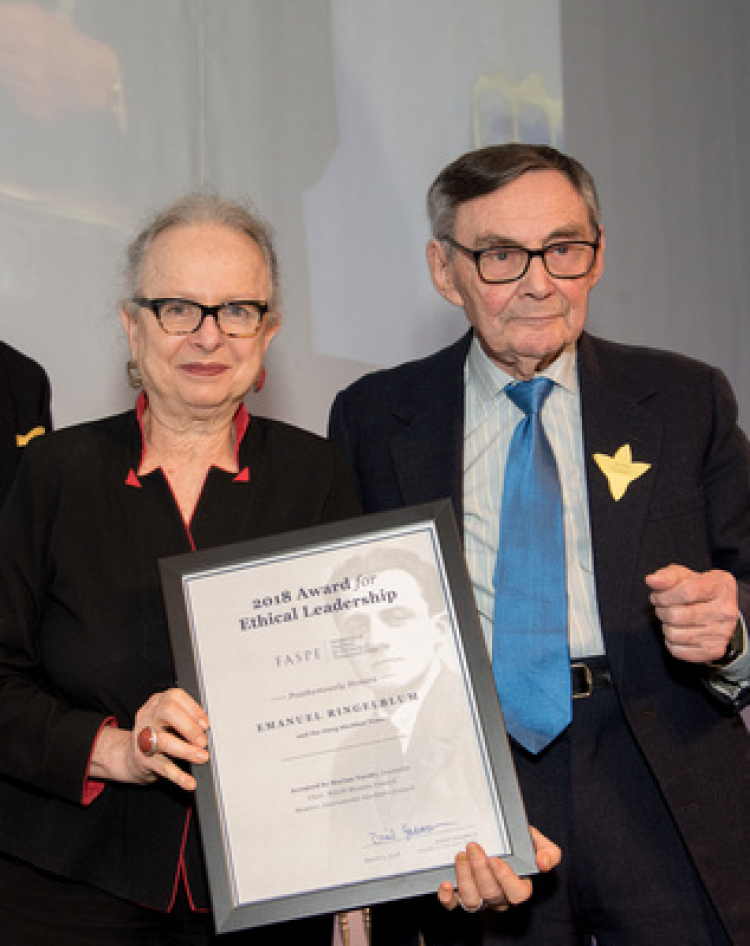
x: 603, y: 494
x: 24, y: 408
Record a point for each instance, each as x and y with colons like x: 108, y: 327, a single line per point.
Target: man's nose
x: 536, y: 279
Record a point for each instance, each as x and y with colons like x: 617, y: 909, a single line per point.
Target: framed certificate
x: 356, y: 742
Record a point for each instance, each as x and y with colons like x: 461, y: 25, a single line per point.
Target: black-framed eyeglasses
x: 239, y: 319
x: 566, y: 259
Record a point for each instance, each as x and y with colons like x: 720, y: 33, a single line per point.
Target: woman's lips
x: 204, y: 370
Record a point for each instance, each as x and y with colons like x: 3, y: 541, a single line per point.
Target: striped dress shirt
x: 489, y: 421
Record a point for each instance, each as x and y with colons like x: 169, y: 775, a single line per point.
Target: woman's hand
x: 175, y: 728
x: 484, y: 881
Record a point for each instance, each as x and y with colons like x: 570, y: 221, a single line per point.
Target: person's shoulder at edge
x: 84, y: 455
x: 19, y: 361
x: 26, y: 394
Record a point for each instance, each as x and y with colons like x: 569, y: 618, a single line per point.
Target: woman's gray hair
x: 201, y: 207
x: 482, y: 172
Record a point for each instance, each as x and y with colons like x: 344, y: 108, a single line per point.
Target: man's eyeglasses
x: 568, y: 259
x: 241, y: 319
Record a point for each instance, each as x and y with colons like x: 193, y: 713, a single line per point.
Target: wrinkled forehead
x: 538, y: 206
x: 189, y: 254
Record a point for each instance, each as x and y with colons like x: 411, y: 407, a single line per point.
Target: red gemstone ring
x: 147, y: 741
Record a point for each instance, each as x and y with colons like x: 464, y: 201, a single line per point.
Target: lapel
x: 613, y: 415
x: 427, y: 452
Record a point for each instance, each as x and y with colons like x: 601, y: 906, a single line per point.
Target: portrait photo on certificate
x: 356, y: 742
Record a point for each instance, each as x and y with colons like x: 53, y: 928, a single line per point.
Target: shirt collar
x: 489, y: 380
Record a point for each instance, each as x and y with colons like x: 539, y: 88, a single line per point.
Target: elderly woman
x: 98, y: 838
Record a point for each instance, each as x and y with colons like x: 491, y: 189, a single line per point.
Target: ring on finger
x: 469, y: 909
x: 147, y: 741
x: 500, y: 904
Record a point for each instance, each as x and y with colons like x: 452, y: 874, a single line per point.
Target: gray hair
x: 482, y: 172
x: 201, y: 207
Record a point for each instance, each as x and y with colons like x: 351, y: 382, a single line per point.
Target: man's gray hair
x: 482, y: 172
x: 201, y: 207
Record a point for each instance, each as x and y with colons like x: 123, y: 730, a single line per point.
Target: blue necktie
x: 530, y: 653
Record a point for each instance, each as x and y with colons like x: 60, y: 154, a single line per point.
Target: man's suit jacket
x: 24, y: 408
x: 402, y: 433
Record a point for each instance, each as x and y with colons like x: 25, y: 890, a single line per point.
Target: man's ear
x: 441, y: 264
x: 596, y: 272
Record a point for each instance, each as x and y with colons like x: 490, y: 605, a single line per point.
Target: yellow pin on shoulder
x: 23, y: 439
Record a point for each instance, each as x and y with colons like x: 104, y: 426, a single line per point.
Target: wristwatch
x: 734, y: 647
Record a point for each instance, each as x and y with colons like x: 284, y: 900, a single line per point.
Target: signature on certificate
x: 408, y: 832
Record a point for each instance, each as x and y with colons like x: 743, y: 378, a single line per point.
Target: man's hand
x: 484, y: 881
x: 698, y: 611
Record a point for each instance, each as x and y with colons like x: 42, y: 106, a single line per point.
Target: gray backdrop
x: 334, y: 116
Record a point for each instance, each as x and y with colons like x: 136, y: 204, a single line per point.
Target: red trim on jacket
x: 181, y: 874
x: 241, y: 422
x: 93, y: 787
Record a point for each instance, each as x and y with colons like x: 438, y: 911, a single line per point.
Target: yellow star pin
x: 620, y: 470
x: 23, y: 439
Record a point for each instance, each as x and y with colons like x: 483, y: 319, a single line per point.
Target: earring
x: 134, y: 375
x: 260, y: 380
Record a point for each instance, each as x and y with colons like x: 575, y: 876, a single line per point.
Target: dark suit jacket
x: 402, y: 433
x: 83, y: 634
x: 24, y: 406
